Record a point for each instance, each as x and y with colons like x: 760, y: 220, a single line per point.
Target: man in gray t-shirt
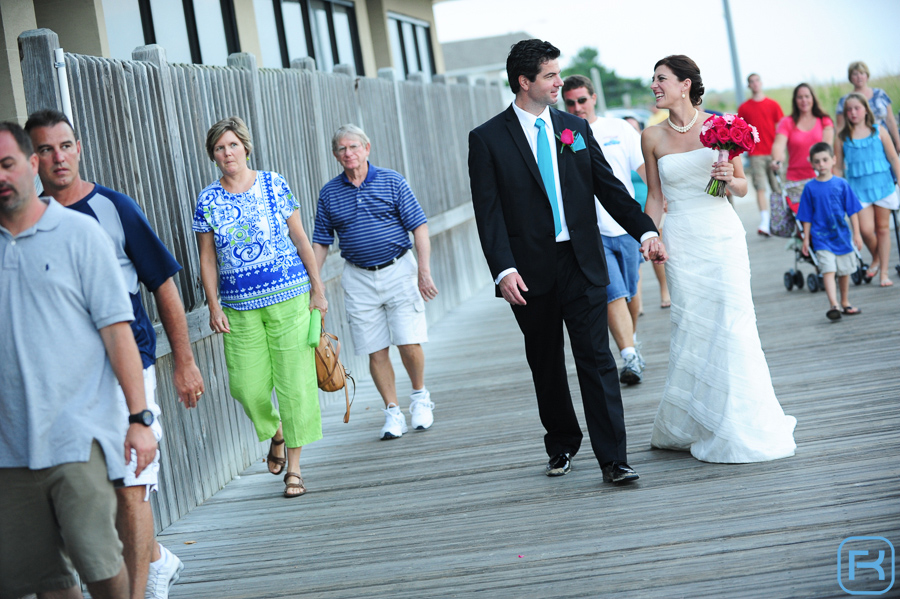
x: 64, y: 340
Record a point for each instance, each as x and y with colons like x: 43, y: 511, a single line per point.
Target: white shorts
x: 149, y: 475
x: 384, y: 306
x: 891, y: 202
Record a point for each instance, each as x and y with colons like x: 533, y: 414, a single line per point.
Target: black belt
x: 385, y: 265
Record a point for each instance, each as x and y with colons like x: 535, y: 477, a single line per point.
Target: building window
x: 411, y: 49
x: 322, y: 29
x: 173, y: 24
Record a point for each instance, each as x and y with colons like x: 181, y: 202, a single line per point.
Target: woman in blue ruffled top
x: 865, y: 155
x: 262, y: 282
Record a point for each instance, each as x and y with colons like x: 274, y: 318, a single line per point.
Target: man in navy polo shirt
x: 385, y: 288
x: 143, y: 258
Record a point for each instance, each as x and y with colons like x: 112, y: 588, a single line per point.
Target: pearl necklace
x: 687, y: 127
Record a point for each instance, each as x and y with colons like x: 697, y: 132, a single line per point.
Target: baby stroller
x: 814, y: 281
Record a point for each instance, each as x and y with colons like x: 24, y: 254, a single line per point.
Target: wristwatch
x: 144, y: 417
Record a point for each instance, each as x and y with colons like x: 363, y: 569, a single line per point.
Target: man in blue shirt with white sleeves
x: 385, y: 288
x: 143, y: 259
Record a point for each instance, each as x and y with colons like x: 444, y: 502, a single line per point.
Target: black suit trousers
x: 581, y: 305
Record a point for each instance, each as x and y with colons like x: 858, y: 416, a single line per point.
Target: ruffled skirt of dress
x: 718, y: 401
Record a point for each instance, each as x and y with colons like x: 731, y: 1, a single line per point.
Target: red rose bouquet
x: 731, y: 136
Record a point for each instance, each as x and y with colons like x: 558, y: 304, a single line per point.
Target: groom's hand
x: 654, y: 249
x: 510, y: 287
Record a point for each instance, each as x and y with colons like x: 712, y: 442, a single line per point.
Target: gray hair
x: 348, y: 130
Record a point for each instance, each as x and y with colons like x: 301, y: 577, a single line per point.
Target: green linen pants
x: 267, y: 347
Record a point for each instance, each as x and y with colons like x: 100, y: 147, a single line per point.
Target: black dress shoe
x: 618, y: 473
x: 559, y: 464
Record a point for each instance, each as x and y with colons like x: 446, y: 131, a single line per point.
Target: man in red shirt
x: 764, y: 114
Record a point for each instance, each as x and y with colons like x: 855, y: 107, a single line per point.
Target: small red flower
x: 567, y: 137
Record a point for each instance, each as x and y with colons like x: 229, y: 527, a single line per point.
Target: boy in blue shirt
x: 823, y: 205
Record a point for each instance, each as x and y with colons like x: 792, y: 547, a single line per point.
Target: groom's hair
x: 526, y: 58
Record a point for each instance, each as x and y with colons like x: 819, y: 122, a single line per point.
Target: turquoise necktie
x: 545, y: 165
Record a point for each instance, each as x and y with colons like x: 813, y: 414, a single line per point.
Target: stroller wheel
x: 788, y: 281
x: 857, y: 276
x: 813, y: 283
x: 798, y: 279
x: 898, y: 269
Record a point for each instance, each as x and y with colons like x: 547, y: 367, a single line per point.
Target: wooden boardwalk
x: 464, y: 510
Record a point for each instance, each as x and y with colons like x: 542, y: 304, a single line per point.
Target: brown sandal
x: 273, y: 459
x: 288, y: 485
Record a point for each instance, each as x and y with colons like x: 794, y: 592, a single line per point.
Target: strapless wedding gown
x: 718, y: 401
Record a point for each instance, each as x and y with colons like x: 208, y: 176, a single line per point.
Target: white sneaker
x: 163, y: 575
x: 420, y: 409
x: 394, y: 423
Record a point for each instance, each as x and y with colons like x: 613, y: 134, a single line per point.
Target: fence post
x: 247, y: 61
x: 36, y: 49
x: 173, y: 162
x: 387, y: 73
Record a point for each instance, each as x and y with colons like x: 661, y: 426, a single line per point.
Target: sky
x: 786, y: 41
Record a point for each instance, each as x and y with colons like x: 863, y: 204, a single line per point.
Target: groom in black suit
x: 534, y: 173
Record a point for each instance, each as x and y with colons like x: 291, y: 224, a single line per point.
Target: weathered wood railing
x: 142, y: 124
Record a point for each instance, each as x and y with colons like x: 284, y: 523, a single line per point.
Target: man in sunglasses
x: 621, y: 146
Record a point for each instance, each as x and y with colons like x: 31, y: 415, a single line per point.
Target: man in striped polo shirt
x: 385, y: 288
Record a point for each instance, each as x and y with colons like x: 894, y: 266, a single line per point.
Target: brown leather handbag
x: 330, y: 373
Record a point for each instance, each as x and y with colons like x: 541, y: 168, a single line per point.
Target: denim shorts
x: 623, y: 260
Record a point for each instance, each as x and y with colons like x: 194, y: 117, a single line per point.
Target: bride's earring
x: 682, y: 94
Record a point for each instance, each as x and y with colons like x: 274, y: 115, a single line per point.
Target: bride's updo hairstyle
x: 685, y: 68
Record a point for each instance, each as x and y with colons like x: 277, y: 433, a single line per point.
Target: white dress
x: 718, y: 401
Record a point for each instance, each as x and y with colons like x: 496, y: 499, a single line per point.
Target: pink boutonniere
x: 566, y: 138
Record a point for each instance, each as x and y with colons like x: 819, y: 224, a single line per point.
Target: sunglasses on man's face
x: 580, y: 100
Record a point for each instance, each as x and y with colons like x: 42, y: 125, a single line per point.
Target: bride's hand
x: 723, y: 171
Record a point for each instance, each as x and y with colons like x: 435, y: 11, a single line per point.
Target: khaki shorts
x: 840, y: 265
x: 760, y: 172
x: 50, y: 514
x: 384, y: 306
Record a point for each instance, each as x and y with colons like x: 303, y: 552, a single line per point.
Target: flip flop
x: 871, y: 274
x: 833, y: 314
x: 288, y: 485
x: 665, y: 305
x: 886, y: 283
x: 850, y: 310
x: 273, y: 459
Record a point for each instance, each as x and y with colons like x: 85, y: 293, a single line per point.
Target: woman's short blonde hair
x: 236, y: 125
x: 857, y: 66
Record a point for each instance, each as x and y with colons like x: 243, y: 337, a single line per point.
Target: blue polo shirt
x: 142, y: 256
x: 823, y: 204
x: 373, y: 220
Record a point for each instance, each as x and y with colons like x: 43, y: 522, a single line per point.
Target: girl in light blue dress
x: 864, y: 156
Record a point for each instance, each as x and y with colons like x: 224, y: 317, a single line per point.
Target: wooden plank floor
x: 464, y: 509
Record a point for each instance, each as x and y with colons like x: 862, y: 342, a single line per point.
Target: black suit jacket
x: 512, y: 210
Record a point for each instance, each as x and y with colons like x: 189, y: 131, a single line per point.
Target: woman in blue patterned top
x: 864, y: 157
x: 261, y: 282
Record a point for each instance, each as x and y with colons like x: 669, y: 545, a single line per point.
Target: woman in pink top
x: 808, y: 124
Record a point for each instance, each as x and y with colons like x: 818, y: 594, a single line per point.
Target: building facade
x: 366, y: 34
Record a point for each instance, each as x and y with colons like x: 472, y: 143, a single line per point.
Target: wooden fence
x: 142, y: 124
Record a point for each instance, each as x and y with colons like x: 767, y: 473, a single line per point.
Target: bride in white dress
x: 718, y: 401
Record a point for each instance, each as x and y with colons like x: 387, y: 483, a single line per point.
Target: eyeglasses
x: 580, y: 100
x: 351, y: 148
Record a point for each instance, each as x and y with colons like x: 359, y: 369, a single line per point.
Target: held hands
x: 511, y: 287
x: 140, y: 438
x: 426, y: 286
x: 218, y: 322
x: 723, y: 171
x: 653, y: 249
